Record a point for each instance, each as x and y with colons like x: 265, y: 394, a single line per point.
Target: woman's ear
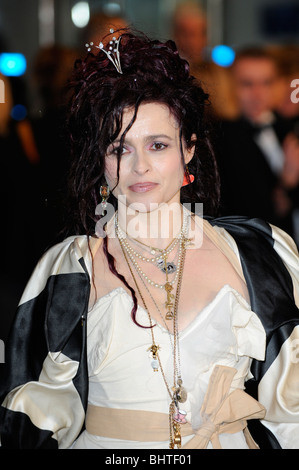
x: 190, y: 149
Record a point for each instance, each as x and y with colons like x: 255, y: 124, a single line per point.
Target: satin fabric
x: 225, y: 332
x: 51, y: 321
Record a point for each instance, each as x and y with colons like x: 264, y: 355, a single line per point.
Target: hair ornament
x: 112, y: 53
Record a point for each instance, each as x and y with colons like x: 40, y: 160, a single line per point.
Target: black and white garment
x: 44, y: 382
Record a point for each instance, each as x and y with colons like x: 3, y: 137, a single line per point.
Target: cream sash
x: 221, y: 412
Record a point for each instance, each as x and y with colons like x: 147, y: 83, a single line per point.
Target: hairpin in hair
x: 112, y: 52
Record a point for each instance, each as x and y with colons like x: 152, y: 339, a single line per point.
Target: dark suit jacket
x: 246, y: 177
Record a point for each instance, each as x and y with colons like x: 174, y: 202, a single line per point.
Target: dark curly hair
x: 153, y: 71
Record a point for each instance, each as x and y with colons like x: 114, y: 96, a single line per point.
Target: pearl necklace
x: 131, y: 252
x: 168, y: 286
x: 153, y: 250
x: 159, y: 260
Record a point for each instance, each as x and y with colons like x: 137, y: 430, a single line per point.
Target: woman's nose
x: 141, y: 163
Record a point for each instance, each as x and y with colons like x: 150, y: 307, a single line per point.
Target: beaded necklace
x: 161, y: 259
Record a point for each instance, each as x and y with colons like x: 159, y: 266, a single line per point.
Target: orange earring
x: 188, y: 178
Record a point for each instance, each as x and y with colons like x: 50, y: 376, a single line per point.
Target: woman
x: 144, y: 331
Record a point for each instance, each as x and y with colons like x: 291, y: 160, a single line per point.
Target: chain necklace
x: 157, y: 260
x: 182, y: 393
x: 162, y: 258
x: 168, y: 286
x: 155, y: 363
x: 177, y: 393
x: 153, y: 250
x: 156, y: 305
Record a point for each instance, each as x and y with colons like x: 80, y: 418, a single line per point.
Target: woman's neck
x: 155, y: 228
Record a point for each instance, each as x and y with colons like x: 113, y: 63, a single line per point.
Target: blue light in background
x: 12, y: 64
x: 223, y: 55
x: 18, y: 112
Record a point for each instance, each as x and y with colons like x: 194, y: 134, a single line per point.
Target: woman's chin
x: 144, y: 206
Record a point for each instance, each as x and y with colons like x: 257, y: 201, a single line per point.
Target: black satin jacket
x: 44, y: 381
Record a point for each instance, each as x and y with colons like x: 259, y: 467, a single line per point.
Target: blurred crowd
x: 256, y: 134
x: 255, y: 122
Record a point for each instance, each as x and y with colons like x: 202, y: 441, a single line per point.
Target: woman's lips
x: 142, y: 187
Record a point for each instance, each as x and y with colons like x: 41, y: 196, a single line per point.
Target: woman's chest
x: 191, y: 285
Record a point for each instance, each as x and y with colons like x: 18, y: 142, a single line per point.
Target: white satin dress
x: 226, y: 332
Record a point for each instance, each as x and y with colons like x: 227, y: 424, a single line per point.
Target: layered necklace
x: 176, y: 392
x: 160, y: 261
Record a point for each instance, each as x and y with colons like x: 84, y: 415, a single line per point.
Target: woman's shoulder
x: 261, y: 245
x: 76, y: 246
x: 255, y: 231
x: 72, y: 256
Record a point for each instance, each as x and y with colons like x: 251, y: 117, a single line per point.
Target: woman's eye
x: 116, y: 150
x: 158, y: 146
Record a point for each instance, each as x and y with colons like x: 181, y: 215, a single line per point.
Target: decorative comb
x: 112, y: 53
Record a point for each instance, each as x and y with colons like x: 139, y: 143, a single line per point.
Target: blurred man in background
x: 259, y: 159
x: 190, y: 33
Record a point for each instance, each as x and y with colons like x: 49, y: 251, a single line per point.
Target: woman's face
x: 151, y: 171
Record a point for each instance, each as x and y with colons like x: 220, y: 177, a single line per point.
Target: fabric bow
x: 224, y: 412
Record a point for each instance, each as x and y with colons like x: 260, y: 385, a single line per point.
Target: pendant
x: 181, y: 394
x: 179, y: 416
x: 177, y: 440
x: 169, y: 315
x: 171, y: 267
x: 169, y: 303
x: 175, y: 427
x: 155, y: 365
x: 154, y: 362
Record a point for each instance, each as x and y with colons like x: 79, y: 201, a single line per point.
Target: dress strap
x: 224, y: 247
x: 95, y: 244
